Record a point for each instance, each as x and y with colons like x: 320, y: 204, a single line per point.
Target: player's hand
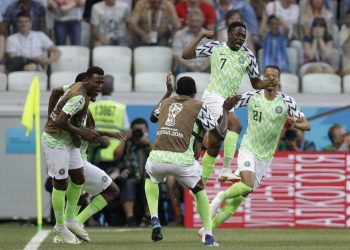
x: 292, y: 121
x: 230, y: 102
x: 208, y: 34
x: 119, y: 136
x: 169, y: 84
x: 89, y: 134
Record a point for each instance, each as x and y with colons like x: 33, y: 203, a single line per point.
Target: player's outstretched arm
x: 257, y: 83
x: 169, y: 91
x: 190, y: 51
x: 300, y: 123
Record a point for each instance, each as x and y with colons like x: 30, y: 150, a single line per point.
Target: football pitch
x: 14, y: 236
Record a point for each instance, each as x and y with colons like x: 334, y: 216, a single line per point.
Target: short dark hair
x: 186, y: 86
x: 94, y: 70
x: 332, y: 130
x: 108, y: 86
x: 231, y: 13
x: 271, y: 17
x: 139, y: 120
x: 23, y: 14
x: 233, y: 25
x: 273, y: 67
x: 80, y: 77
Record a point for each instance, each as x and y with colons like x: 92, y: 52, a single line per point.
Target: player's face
x: 236, y: 38
x: 94, y: 85
x: 272, y: 76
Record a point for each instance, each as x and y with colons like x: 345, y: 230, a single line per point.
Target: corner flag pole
x: 32, y: 108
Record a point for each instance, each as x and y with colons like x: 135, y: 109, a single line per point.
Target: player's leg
x: 155, y: 173
x: 57, y: 161
x: 230, y: 142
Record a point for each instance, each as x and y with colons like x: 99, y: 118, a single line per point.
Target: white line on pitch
x: 37, y: 239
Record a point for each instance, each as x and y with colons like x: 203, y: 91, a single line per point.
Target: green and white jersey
x: 227, y: 67
x: 266, y: 119
x: 72, y: 106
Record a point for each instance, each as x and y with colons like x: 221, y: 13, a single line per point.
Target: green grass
x: 13, y: 237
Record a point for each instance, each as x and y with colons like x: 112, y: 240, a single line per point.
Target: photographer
x: 129, y: 176
x: 294, y: 141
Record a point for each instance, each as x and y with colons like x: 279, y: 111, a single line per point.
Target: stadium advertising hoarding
x: 302, y: 190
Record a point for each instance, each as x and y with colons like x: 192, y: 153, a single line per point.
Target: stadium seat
x: 122, y: 82
x: 152, y: 59
x: 3, y: 81
x: 292, y: 56
x: 201, y: 79
x: 58, y: 79
x: 150, y: 82
x: 245, y: 85
x: 289, y: 83
x: 73, y: 58
x: 321, y: 83
x: 21, y: 80
x: 346, y: 84
x: 116, y: 59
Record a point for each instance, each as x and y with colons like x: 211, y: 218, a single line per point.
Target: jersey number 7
x: 223, y: 62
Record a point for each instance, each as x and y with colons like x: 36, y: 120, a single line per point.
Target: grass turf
x: 16, y: 237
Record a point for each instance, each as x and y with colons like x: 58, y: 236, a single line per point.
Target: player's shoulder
x: 252, y: 93
x: 247, y: 51
x: 286, y: 97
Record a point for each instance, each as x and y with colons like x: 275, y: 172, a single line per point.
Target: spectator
x: 154, y: 22
x: 339, y: 138
x: 314, y: 9
x: 344, y: 40
x: 183, y: 37
x: 275, y: 45
x: 221, y: 28
x: 132, y: 172
x: 294, y: 141
x: 27, y: 49
x: 109, y: 23
x: 182, y: 9
x: 35, y: 9
x: 320, y: 56
x: 67, y: 20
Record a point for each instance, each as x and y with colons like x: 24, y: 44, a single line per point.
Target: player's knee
x: 60, y: 184
x: 78, y: 180
x: 111, y: 192
x: 199, y: 187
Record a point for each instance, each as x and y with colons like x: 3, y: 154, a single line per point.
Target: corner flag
x: 32, y: 108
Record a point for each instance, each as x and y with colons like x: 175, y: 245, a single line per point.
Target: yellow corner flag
x: 32, y: 108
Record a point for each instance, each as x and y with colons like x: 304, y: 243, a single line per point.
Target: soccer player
x: 61, y: 140
x: 180, y: 121
x: 268, y: 111
x: 97, y: 183
x: 229, y: 61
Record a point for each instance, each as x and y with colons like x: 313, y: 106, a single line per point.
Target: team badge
x: 61, y: 171
x: 278, y: 110
x: 104, y: 178
x: 241, y: 59
x: 247, y: 164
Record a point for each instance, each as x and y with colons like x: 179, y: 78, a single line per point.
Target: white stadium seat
x: 201, y: 79
x: 152, y: 59
x: 21, y: 80
x: 346, y: 84
x: 122, y: 82
x: 58, y: 79
x: 73, y: 58
x: 116, y: 59
x: 321, y: 83
x: 289, y: 83
x: 150, y: 82
x: 3, y: 81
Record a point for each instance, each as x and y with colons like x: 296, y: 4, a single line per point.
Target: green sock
x: 227, y: 211
x: 73, y: 195
x: 208, y: 163
x: 203, y: 210
x: 152, y: 195
x: 230, y: 143
x: 77, y: 209
x: 235, y: 190
x: 96, y: 205
x: 58, y: 200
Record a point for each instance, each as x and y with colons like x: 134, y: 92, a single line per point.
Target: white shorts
x: 96, y: 180
x: 246, y: 161
x: 59, y: 161
x: 214, y: 103
x: 187, y: 176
